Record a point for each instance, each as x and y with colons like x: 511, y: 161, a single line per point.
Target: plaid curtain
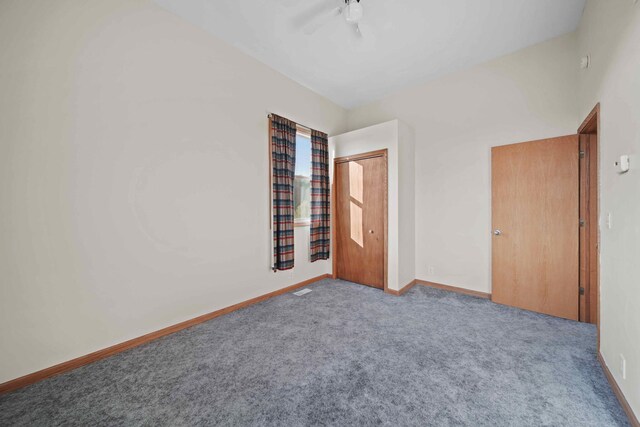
x: 320, y: 206
x: 283, y: 163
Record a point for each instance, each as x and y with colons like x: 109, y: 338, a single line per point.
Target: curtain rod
x: 301, y: 125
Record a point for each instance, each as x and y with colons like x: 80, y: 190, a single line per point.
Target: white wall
x: 610, y: 33
x: 133, y: 176
x: 397, y: 138
x: 406, y: 205
x: 457, y: 119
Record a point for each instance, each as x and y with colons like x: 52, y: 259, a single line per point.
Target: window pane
x: 302, y: 197
x: 302, y: 182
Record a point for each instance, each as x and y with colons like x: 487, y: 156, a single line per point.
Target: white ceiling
x: 404, y: 41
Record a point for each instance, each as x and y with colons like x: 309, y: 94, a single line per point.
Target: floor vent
x: 302, y: 292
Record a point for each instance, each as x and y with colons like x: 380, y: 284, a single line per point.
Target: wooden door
x: 361, y: 206
x: 535, y: 218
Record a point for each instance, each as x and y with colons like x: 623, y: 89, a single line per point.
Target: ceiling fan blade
x: 321, y: 20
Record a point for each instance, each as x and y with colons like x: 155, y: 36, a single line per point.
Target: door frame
x: 334, y: 214
x: 590, y: 183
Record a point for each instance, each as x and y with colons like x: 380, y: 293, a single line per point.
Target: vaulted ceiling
x: 400, y: 43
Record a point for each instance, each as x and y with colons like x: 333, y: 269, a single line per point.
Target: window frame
x: 306, y: 132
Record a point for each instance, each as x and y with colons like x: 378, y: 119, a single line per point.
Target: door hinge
x: 582, y: 222
x: 582, y: 154
x: 581, y: 291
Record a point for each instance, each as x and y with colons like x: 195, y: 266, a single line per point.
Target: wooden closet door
x: 535, y: 216
x: 360, y: 220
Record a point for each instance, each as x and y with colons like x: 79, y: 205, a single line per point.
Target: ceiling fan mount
x: 353, y: 11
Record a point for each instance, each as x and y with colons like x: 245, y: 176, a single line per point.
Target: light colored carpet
x: 343, y: 354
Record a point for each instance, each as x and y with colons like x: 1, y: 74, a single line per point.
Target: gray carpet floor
x: 343, y: 354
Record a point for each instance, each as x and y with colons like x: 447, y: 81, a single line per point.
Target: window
x: 302, y: 181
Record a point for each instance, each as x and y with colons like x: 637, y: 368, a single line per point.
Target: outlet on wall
x: 431, y: 270
x: 609, y: 221
x: 623, y: 367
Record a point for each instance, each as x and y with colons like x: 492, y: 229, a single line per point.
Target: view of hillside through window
x: 302, y: 182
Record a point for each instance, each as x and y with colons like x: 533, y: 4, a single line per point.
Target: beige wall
x: 457, y: 119
x: 133, y: 176
x: 406, y: 205
x: 610, y: 34
x: 133, y: 170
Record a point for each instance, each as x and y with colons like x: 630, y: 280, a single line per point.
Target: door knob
x: 497, y: 232
x: 370, y: 231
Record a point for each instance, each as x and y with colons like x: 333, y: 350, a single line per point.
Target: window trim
x: 304, y: 131
x: 302, y: 222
